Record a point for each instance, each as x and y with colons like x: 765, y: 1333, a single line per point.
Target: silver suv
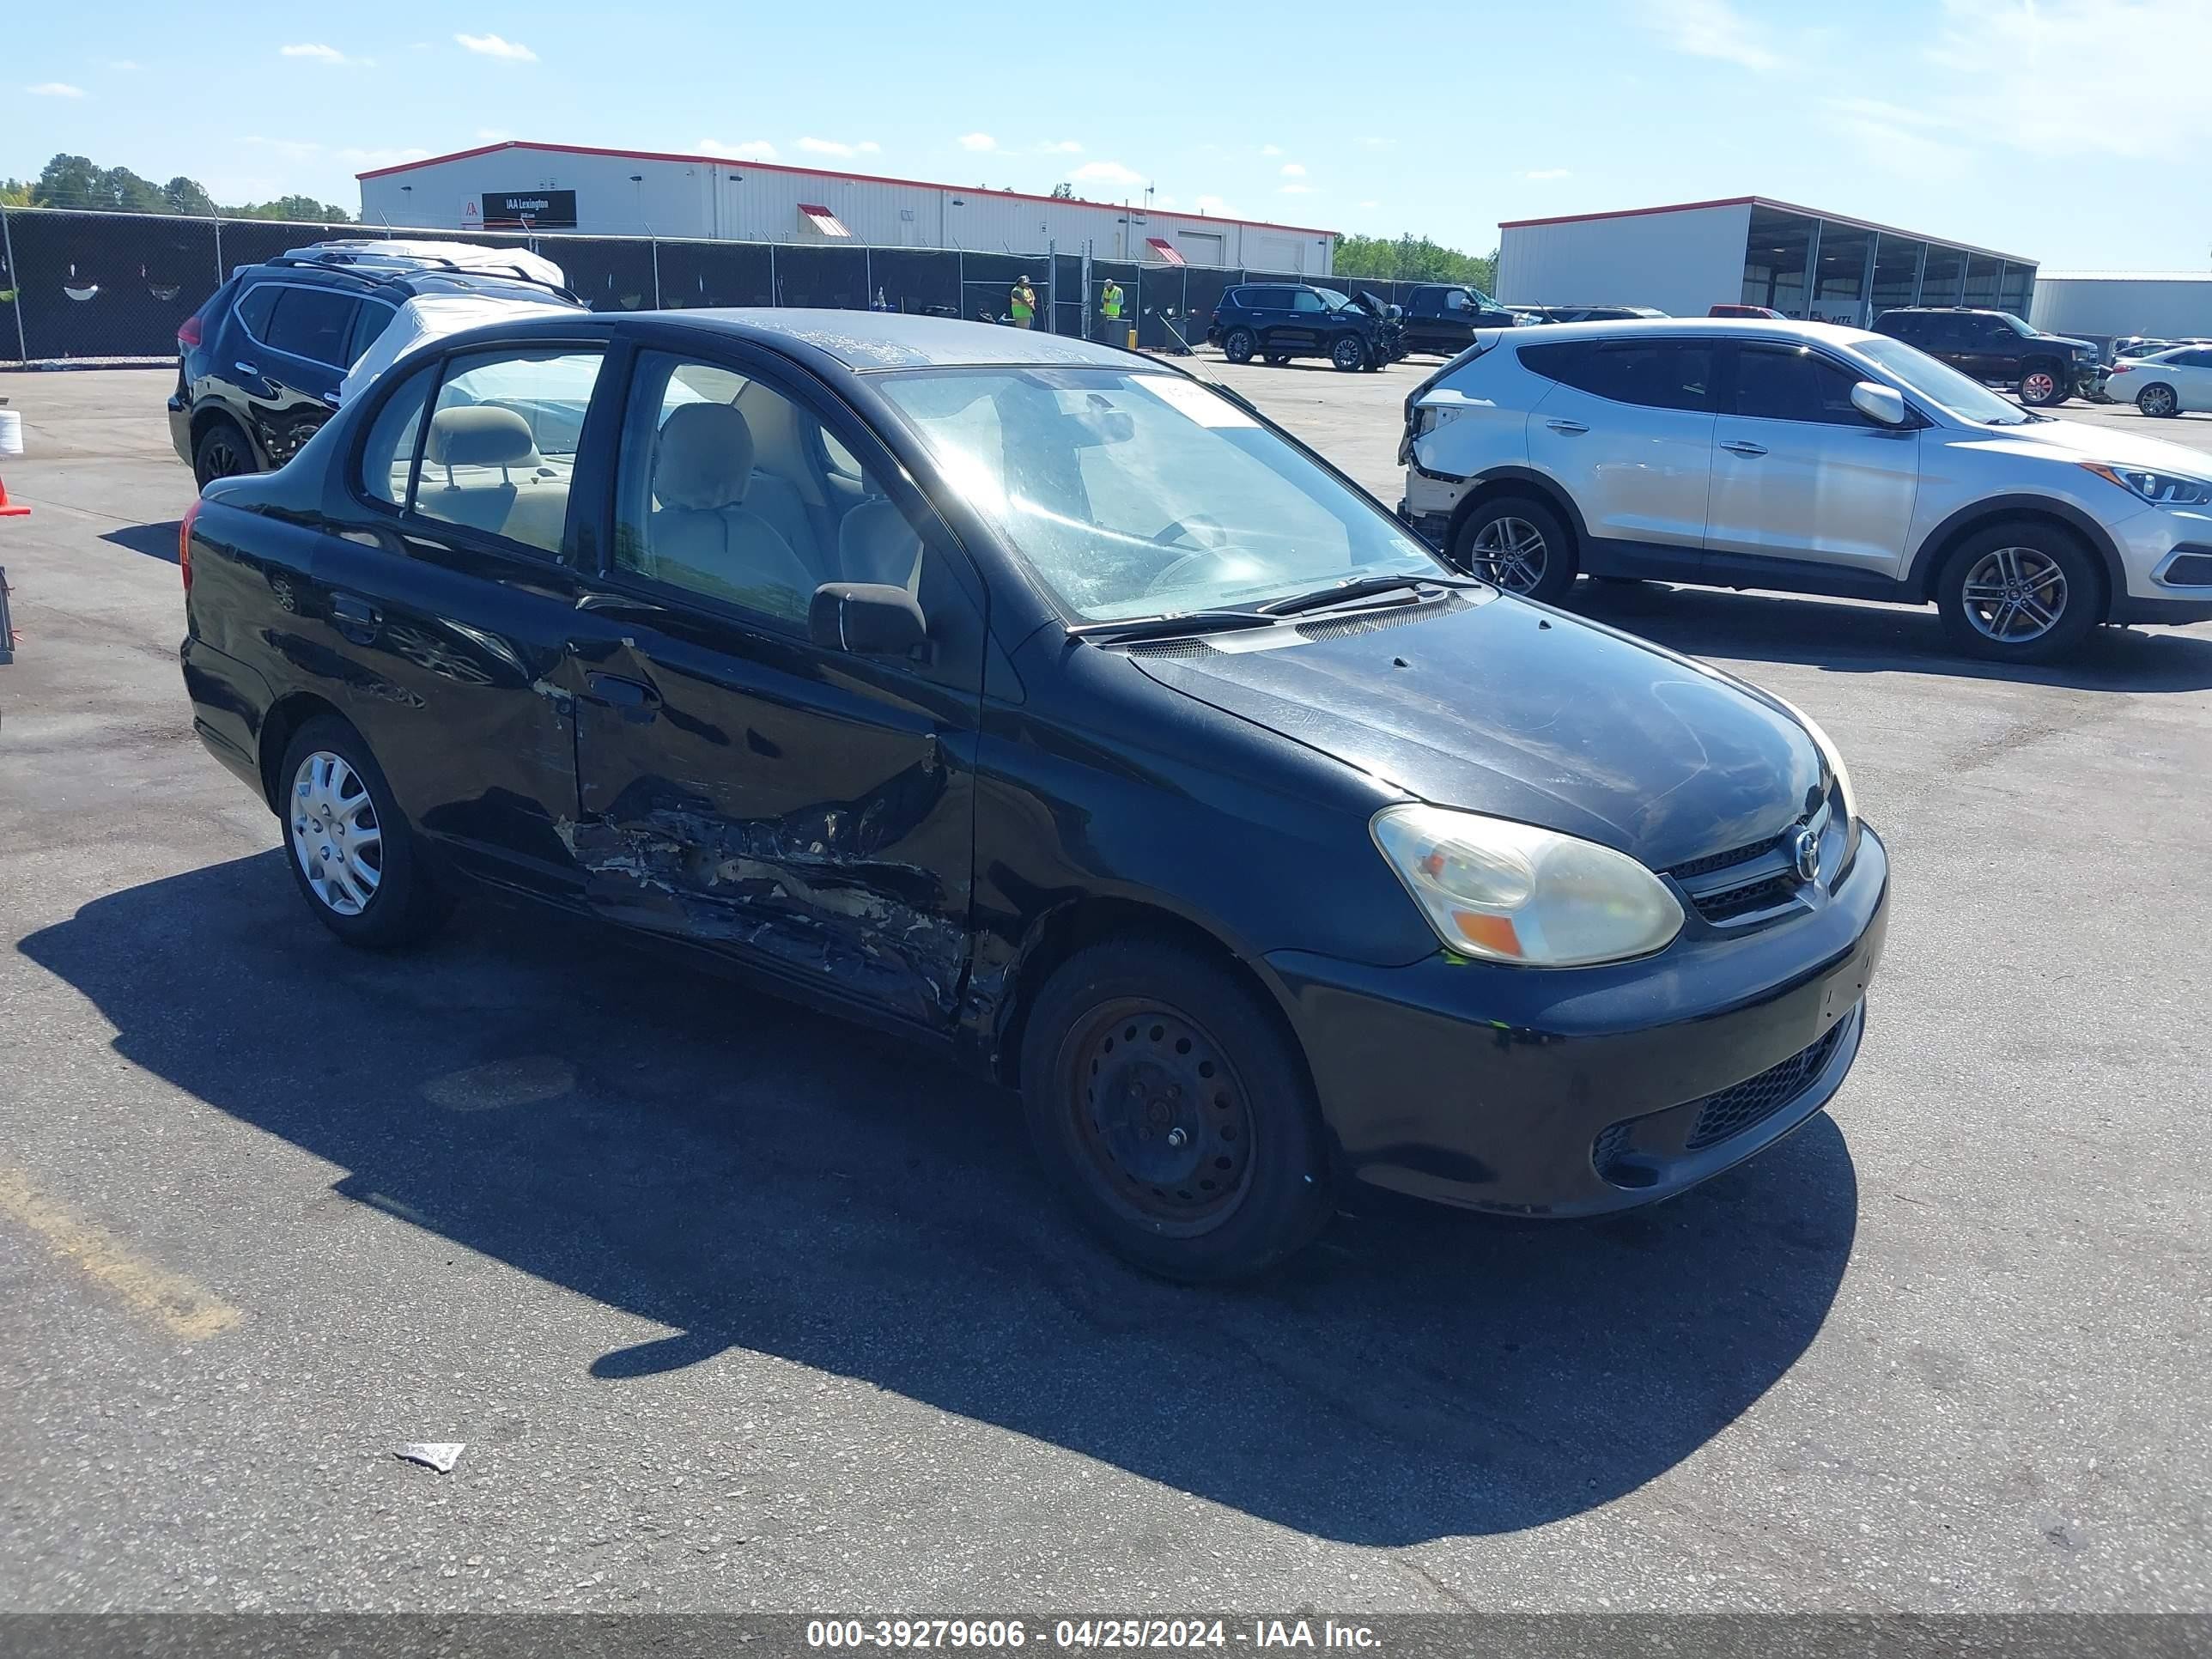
x: 1804, y: 458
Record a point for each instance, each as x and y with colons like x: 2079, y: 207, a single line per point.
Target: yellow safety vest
x: 1111, y: 300
x: 1024, y: 301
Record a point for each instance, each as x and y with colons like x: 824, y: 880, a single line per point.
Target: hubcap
x: 335, y: 833
x: 2014, y: 594
x: 2039, y: 388
x: 1160, y: 1116
x: 1510, y: 553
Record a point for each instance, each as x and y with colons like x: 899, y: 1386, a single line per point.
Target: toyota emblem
x: 1807, y: 851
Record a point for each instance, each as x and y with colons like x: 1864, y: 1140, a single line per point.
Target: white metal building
x: 639, y: 193
x: 2107, y: 304
x: 1747, y: 250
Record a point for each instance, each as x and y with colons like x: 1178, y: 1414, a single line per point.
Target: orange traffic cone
x: 8, y: 509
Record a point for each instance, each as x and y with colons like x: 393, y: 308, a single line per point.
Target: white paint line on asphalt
x: 185, y: 1309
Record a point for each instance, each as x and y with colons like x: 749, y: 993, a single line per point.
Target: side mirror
x: 1882, y: 404
x: 869, y: 619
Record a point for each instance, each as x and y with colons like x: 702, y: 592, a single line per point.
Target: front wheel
x: 2158, y: 401
x: 353, y: 855
x: 1349, y: 353
x: 1174, y: 1112
x: 2024, y: 591
x: 1237, y: 345
x: 1518, y: 543
x: 2043, y: 384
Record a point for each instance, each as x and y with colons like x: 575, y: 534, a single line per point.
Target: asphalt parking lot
x: 735, y: 1306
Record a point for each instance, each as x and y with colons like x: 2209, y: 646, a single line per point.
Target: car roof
x: 1733, y: 328
x: 367, y: 279
x: 863, y: 340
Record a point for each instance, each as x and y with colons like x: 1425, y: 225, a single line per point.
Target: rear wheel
x: 1349, y: 353
x: 352, y: 852
x: 2022, y: 591
x: 1237, y: 345
x: 1174, y: 1112
x: 222, y: 452
x: 1519, y: 544
x: 2042, y: 384
x: 2158, y: 400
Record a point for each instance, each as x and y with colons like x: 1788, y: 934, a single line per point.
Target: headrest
x: 704, y: 458
x: 875, y: 543
x: 480, y: 435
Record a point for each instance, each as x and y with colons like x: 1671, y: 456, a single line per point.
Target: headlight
x: 2159, y: 488
x: 1511, y: 892
x: 1830, y: 754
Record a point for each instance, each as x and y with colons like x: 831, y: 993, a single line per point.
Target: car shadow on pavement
x: 157, y: 540
x: 757, y: 1177
x: 1865, y: 639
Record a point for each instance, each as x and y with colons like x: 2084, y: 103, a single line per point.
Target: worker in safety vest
x: 1022, y: 303
x: 1110, y: 301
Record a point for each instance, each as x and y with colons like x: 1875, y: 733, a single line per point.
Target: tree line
x: 77, y: 181
x: 1411, y: 258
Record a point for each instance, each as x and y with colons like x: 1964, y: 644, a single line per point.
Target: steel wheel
x: 2156, y: 400
x: 1160, y: 1113
x: 335, y: 834
x: 1509, y: 552
x: 2014, y: 594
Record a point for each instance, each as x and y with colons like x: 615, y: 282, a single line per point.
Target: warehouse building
x: 1746, y: 250
x: 638, y: 192
x: 2105, y: 305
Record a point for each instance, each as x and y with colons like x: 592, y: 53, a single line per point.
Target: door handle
x: 332, y: 398
x: 634, y: 700
x: 1571, y: 428
x: 355, y: 617
x: 247, y: 369
x: 1744, y: 446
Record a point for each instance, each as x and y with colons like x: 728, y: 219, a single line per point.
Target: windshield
x: 2017, y: 325
x: 1136, y: 494
x: 1334, y: 300
x: 1955, y: 393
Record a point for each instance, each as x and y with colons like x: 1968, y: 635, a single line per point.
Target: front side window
x: 731, y: 490
x: 499, y: 450
x: 313, y: 323
x: 1657, y: 374
x: 1306, y: 300
x: 1956, y: 394
x: 1132, y: 494
x: 1778, y: 383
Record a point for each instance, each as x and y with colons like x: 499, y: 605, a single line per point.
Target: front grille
x: 1731, y: 902
x: 1731, y: 1111
x: 1720, y: 860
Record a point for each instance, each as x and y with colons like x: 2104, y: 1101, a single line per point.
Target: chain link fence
x: 89, y: 285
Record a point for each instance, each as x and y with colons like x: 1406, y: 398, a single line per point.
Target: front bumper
x: 1576, y: 1091
x: 2166, y: 552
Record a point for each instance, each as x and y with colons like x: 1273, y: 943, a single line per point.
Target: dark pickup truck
x: 1441, y: 317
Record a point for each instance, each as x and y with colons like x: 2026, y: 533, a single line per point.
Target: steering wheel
x: 1196, y: 527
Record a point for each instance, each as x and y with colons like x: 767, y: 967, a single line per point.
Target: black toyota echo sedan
x: 1051, y: 707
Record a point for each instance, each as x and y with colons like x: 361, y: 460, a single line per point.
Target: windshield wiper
x: 1169, y: 627
x: 1359, y: 587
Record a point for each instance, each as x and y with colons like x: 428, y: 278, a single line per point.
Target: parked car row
x: 1997, y: 349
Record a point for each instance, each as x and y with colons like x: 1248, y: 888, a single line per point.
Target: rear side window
x: 374, y: 318
x: 387, y: 457
x: 1780, y: 383
x: 1656, y: 374
x: 502, y: 444
x: 313, y: 323
x: 255, y: 307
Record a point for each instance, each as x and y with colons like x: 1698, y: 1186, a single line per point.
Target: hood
x: 1496, y: 705
x: 2104, y: 443
x: 2089, y: 346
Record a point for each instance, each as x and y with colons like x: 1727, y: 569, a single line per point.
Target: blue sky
x: 2036, y: 127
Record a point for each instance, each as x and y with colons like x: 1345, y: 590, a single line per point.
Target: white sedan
x: 2165, y: 383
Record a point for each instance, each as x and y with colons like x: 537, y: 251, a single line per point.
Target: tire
x: 1277, y: 359
x: 318, y: 804
x: 1998, y: 584
x: 2042, y: 382
x: 1237, y: 345
x: 1349, y: 353
x: 1492, y: 543
x: 1208, y: 1062
x: 221, y: 450
x: 2158, y: 402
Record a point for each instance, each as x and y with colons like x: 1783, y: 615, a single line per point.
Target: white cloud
x: 123, y: 65
x: 1109, y: 173
x: 1377, y: 144
x: 493, y: 134
x: 321, y: 54
x: 1711, y: 28
x: 1212, y: 204
x: 1897, y: 138
x: 1060, y: 147
x: 1271, y: 149
x: 978, y: 141
x: 55, y: 90
x: 378, y: 158
x: 838, y: 147
x: 1293, y: 170
x: 754, y: 149
x: 1370, y: 204
x: 1541, y: 174
x: 1295, y: 189
x: 491, y: 46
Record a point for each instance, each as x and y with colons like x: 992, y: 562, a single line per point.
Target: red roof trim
x: 816, y: 172
x: 1768, y: 202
